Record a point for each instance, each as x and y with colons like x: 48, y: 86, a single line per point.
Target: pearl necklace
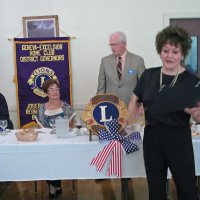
x: 173, y: 81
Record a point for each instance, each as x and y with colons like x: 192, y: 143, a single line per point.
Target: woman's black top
x: 166, y: 105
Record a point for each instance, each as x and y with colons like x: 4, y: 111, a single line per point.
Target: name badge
x: 132, y: 72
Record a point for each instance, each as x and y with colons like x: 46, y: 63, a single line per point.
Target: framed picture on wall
x: 191, y: 61
x: 40, y: 26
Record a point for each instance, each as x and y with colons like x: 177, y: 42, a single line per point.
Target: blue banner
x: 36, y: 60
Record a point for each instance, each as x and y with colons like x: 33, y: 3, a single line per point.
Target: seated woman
x: 55, y: 107
x: 4, y: 114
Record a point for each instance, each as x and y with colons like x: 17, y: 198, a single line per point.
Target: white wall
x: 91, y: 21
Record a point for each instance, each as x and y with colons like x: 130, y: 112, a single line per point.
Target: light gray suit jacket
x: 108, y: 81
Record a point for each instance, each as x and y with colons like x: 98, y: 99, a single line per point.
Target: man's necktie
x: 119, y: 68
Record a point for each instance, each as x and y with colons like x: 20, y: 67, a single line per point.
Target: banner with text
x: 36, y: 60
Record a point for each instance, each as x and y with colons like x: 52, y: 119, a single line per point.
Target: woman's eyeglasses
x: 53, y: 89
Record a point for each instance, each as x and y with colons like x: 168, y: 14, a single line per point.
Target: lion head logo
x: 37, y: 78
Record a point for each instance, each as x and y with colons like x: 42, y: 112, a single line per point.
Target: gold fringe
x: 15, y: 80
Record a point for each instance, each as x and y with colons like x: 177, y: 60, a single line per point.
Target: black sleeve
x: 4, y: 114
x: 138, y: 91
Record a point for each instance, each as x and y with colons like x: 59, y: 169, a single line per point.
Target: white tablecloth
x: 58, y: 158
x: 196, y: 147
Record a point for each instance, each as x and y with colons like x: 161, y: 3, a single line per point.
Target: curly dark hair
x: 175, y: 35
x: 48, y: 83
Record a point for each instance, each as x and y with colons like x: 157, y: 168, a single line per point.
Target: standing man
x: 120, y: 71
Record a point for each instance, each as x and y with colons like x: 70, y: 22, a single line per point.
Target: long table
x: 50, y: 157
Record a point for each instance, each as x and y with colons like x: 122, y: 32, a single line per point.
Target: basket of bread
x: 27, y: 135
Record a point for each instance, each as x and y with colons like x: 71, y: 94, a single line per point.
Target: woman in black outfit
x: 167, y: 135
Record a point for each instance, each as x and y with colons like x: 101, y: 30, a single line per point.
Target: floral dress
x: 43, y: 115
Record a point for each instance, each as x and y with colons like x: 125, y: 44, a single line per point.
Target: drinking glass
x: 129, y: 129
x: 52, y: 123
x: 79, y: 125
x: 3, y: 125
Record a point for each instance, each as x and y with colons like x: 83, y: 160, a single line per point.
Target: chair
x: 10, y: 124
x: 31, y: 125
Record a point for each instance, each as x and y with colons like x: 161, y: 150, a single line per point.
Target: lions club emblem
x: 103, y: 108
x: 37, y: 78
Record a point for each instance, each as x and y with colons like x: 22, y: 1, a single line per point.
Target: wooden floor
x: 86, y: 189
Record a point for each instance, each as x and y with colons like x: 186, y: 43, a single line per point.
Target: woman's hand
x: 133, y: 110
x: 194, y: 112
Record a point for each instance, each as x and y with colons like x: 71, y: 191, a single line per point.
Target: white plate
x: 83, y: 131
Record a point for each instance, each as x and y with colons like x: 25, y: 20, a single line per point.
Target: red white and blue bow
x: 129, y: 143
x: 115, y: 147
